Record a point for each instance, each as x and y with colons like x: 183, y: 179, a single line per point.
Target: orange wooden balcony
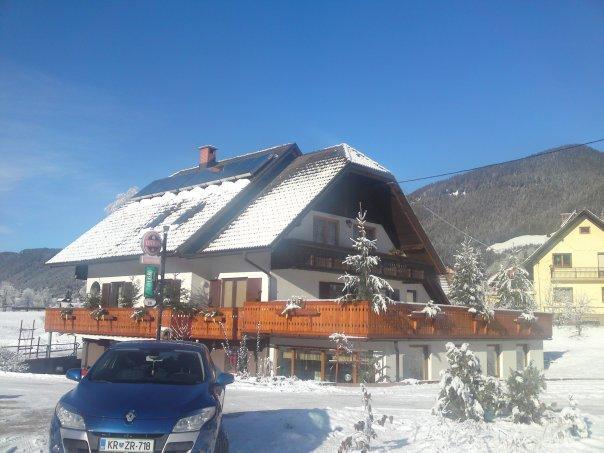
x: 316, y: 319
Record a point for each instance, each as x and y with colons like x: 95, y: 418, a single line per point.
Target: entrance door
x: 234, y: 292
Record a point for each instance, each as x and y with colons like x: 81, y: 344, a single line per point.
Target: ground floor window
x: 329, y: 290
x: 416, y: 363
x: 563, y: 295
x: 521, y: 356
x: 493, y: 359
x: 307, y: 365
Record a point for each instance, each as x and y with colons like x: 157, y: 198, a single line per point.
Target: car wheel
x: 222, y: 442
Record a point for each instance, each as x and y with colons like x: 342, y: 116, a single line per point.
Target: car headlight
x: 69, y: 419
x: 194, y: 422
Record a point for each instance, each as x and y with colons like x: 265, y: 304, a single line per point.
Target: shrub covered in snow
x: 572, y: 422
x: 524, y: 387
x: 11, y: 361
x: 363, y: 285
x: 492, y: 397
x: 460, y: 385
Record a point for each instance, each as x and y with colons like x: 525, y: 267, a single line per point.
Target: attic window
x: 190, y: 213
x: 584, y: 230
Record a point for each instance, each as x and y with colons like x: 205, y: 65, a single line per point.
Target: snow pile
x: 570, y: 356
x: 517, y: 242
x: 282, y: 384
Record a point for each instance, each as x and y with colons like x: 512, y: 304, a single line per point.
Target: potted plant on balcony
x: 141, y: 314
x: 293, y: 304
x: 525, y: 321
x: 101, y: 314
x: 213, y: 316
x: 430, y: 312
x: 66, y: 313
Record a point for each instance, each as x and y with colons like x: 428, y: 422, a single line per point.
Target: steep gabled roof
x: 567, y: 226
x: 274, y: 211
x: 186, y: 207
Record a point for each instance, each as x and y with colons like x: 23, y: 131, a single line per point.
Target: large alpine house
x: 249, y: 232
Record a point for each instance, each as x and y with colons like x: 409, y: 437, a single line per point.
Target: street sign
x: 151, y: 259
x: 151, y: 243
x: 150, y: 277
x: 149, y: 302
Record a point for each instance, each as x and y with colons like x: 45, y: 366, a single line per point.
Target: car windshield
x: 172, y: 367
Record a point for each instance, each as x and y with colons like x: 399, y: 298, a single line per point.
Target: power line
x: 500, y: 163
x: 449, y: 223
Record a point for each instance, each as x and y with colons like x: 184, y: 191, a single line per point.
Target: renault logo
x: 130, y: 416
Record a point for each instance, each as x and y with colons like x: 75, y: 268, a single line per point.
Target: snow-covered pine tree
x: 524, y: 388
x: 467, y: 288
x: 364, y: 285
x: 460, y: 385
x: 513, y: 288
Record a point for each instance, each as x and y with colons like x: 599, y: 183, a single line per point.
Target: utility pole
x: 160, y: 292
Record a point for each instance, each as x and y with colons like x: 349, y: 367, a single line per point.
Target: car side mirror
x: 75, y: 374
x: 225, y: 379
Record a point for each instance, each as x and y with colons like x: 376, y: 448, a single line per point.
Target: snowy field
x: 303, y: 416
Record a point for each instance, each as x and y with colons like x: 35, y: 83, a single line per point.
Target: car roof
x: 159, y: 345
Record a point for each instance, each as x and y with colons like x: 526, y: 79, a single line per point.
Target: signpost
x: 153, y: 245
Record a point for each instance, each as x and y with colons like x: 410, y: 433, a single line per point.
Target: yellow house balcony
x: 568, y: 274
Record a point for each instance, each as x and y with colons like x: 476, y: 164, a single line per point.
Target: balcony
x: 316, y: 319
x: 298, y: 254
x: 577, y: 274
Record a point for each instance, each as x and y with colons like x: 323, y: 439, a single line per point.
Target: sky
x: 96, y: 97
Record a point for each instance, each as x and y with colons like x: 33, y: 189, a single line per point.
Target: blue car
x: 144, y: 396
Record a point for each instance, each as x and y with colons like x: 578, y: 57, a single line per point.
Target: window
x: 493, y: 353
x: 562, y: 260
x: 395, y: 295
x: 411, y: 295
x: 370, y: 232
x: 603, y: 294
x: 584, y: 230
x: 521, y: 356
x: 325, y: 231
x: 329, y: 290
x: 563, y: 295
x: 415, y: 363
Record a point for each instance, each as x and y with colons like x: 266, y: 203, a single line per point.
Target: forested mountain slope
x: 511, y: 199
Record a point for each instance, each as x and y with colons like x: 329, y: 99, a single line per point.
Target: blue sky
x: 96, y: 97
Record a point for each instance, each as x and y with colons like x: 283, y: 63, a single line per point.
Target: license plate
x: 125, y: 445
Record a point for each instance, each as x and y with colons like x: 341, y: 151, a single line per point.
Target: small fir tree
x: 513, y: 288
x: 524, y: 387
x: 460, y: 385
x: 467, y: 288
x: 364, y: 285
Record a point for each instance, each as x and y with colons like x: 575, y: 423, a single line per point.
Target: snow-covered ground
x: 10, y: 321
x: 305, y: 416
x: 518, y: 241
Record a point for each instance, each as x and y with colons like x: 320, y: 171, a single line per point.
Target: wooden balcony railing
x: 577, y: 273
x: 316, y: 319
x: 298, y: 254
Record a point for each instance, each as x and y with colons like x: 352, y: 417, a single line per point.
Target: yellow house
x: 570, y: 265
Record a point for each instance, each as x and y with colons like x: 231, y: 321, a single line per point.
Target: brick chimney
x: 207, y: 156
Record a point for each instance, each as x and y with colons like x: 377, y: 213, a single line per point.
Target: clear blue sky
x: 96, y: 97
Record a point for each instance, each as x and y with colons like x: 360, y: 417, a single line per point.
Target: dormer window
x: 325, y: 230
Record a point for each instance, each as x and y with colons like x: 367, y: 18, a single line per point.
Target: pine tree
x: 364, y: 285
x: 460, y: 385
x: 524, y: 388
x: 467, y: 288
x: 513, y: 288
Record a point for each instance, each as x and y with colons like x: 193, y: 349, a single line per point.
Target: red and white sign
x: 151, y: 243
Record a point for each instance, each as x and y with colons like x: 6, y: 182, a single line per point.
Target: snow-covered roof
x: 276, y: 208
x: 119, y: 234
x: 256, y: 223
x: 518, y: 241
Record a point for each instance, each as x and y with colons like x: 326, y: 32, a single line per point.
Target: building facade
x: 570, y: 265
x: 276, y: 224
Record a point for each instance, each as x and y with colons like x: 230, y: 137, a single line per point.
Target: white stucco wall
x: 294, y: 282
x: 304, y: 231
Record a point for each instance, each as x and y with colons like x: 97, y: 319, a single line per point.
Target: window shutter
x: 105, y: 294
x: 254, y: 289
x: 215, y: 292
